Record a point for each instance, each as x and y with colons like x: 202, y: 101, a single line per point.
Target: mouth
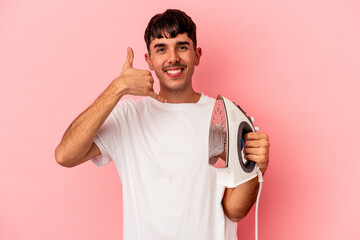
x: 174, y: 72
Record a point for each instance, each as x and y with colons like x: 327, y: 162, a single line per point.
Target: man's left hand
x: 256, y: 149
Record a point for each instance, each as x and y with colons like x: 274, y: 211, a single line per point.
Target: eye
x: 183, y: 47
x: 160, y: 50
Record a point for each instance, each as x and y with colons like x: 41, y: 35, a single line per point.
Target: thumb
x: 129, y: 58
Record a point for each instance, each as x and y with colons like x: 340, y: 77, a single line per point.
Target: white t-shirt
x: 161, y: 154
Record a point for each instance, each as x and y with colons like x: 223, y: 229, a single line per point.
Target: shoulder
x: 206, y: 100
x: 135, y: 107
x: 132, y: 102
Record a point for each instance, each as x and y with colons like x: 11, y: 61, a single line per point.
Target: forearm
x: 238, y: 201
x: 79, y: 136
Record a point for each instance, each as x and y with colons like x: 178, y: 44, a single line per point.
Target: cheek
x: 157, y: 64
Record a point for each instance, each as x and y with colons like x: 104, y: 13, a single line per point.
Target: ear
x: 148, y: 60
x: 198, y: 53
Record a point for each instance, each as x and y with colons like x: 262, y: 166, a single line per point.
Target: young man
x: 159, y: 143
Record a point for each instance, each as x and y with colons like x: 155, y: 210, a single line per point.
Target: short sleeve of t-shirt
x: 104, y: 157
x: 106, y: 139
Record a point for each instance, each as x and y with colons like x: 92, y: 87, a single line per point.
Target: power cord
x: 260, y: 177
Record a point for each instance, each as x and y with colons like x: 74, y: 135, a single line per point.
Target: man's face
x: 174, y: 61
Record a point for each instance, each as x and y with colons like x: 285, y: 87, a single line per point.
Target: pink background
x: 293, y: 65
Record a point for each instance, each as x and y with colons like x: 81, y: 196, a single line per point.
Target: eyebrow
x: 159, y: 45
x: 178, y: 43
x: 183, y: 43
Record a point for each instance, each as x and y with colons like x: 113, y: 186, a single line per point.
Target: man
x: 159, y: 143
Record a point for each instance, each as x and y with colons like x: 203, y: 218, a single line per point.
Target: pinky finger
x: 252, y: 157
x: 157, y: 97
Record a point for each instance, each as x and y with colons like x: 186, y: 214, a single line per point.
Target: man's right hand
x: 135, y: 81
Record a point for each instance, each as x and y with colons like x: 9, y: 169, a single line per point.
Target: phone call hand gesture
x: 136, y: 81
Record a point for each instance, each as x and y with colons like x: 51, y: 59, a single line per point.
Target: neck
x: 175, y: 96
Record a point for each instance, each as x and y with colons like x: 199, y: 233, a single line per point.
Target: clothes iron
x: 228, y: 126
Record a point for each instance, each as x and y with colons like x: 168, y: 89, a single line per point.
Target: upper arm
x: 238, y: 201
x: 227, y: 193
x: 225, y: 200
x: 93, y: 152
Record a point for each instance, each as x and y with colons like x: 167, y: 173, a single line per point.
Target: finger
x: 151, y: 83
x: 260, y: 161
x: 253, y: 143
x: 254, y: 158
x: 129, y: 58
x: 262, y: 143
x: 254, y: 151
x: 255, y: 136
x: 157, y: 97
x: 147, y: 75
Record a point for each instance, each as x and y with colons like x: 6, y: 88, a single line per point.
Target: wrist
x: 118, y: 87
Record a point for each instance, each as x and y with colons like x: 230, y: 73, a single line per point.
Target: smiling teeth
x: 174, y: 71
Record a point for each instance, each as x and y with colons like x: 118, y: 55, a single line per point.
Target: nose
x: 173, y: 57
